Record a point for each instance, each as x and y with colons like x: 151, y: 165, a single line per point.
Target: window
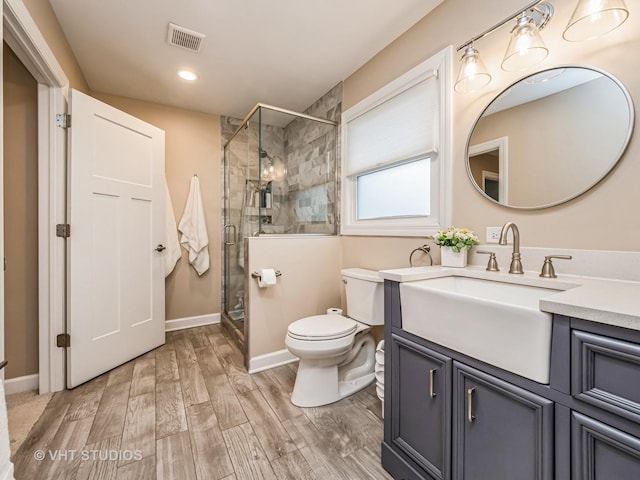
x: 404, y: 187
x: 395, y: 155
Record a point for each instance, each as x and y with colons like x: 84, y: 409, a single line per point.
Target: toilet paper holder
x: 258, y: 276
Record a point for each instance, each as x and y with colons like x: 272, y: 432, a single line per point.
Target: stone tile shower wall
x: 276, y: 218
x: 311, y: 151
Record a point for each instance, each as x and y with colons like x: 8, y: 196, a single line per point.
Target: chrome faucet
x: 516, y: 264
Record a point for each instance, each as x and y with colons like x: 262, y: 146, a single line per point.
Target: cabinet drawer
x: 606, y: 372
x: 600, y: 452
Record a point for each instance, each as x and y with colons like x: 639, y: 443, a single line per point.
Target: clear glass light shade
x: 473, y: 75
x: 594, y: 18
x: 526, y: 47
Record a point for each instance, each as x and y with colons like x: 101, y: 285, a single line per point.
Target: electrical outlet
x: 493, y: 235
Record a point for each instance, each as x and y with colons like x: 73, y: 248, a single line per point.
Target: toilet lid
x: 322, y: 327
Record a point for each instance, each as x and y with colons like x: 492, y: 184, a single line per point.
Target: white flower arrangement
x: 456, y: 238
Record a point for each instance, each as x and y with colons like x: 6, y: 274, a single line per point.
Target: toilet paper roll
x: 379, y: 356
x: 267, y: 278
x: 334, y: 311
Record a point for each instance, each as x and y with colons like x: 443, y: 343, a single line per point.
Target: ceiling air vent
x: 184, y: 38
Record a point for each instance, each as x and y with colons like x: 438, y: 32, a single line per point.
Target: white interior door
x: 115, y: 274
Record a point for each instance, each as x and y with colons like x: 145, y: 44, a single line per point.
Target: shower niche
x: 279, y: 179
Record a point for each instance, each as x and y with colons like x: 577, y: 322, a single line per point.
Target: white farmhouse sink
x: 496, y: 322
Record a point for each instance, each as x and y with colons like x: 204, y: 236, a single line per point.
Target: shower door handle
x: 226, y: 236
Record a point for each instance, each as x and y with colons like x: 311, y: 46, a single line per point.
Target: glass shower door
x: 235, y: 157
x: 240, y: 166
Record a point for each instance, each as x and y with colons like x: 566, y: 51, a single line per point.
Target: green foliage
x: 456, y: 238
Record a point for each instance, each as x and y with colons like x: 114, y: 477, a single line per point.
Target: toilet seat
x: 322, y: 327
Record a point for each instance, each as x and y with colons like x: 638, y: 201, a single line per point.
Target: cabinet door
x: 601, y: 452
x: 421, y: 399
x: 501, y: 432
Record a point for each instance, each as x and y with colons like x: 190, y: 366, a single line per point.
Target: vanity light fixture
x: 594, y: 18
x: 473, y: 74
x: 525, y: 49
x: 187, y: 75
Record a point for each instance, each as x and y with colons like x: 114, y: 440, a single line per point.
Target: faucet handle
x: 492, y: 265
x: 547, y: 267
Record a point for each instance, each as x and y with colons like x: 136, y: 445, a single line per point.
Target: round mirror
x: 549, y: 137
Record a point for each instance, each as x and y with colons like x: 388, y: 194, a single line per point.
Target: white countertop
x: 602, y: 300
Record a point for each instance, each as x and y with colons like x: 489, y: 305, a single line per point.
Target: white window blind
x: 402, y: 127
x: 396, y: 155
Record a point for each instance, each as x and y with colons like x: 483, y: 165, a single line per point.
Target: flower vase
x: 449, y: 258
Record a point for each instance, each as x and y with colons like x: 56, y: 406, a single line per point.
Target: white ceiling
x: 286, y: 53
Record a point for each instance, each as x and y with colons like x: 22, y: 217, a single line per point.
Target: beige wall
x: 20, y: 217
x: 483, y: 162
x: 192, y: 147
x: 310, y: 283
x: 45, y: 19
x: 577, y: 224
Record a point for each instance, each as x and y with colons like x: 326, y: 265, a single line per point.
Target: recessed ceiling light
x: 187, y: 75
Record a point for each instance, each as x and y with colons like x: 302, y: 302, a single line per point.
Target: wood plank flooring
x: 189, y: 410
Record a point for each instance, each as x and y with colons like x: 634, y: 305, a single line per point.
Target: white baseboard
x: 190, y: 322
x: 271, y: 360
x: 21, y: 384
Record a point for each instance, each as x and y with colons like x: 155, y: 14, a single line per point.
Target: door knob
x: 160, y: 248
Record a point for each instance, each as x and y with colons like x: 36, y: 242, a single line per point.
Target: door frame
x: 25, y: 39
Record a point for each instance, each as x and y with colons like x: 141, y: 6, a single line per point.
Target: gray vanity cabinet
x: 452, y: 417
x: 500, y: 431
x: 421, y: 391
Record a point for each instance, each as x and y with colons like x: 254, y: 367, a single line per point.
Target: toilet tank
x: 365, y: 295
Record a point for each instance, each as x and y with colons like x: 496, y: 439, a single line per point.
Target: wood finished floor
x: 189, y: 410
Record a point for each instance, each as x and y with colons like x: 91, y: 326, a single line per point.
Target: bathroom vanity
x: 449, y: 415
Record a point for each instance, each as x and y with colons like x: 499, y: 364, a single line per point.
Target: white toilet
x: 337, y: 353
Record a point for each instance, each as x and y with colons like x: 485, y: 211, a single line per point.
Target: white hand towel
x: 194, y: 230
x: 173, y: 253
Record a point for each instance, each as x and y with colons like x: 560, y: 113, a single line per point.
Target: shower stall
x: 280, y: 178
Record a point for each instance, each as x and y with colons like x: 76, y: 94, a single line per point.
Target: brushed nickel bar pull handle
x: 470, y: 416
x: 432, y: 374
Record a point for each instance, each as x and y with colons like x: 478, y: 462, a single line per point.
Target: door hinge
x: 63, y: 120
x: 63, y: 340
x: 63, y: 230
